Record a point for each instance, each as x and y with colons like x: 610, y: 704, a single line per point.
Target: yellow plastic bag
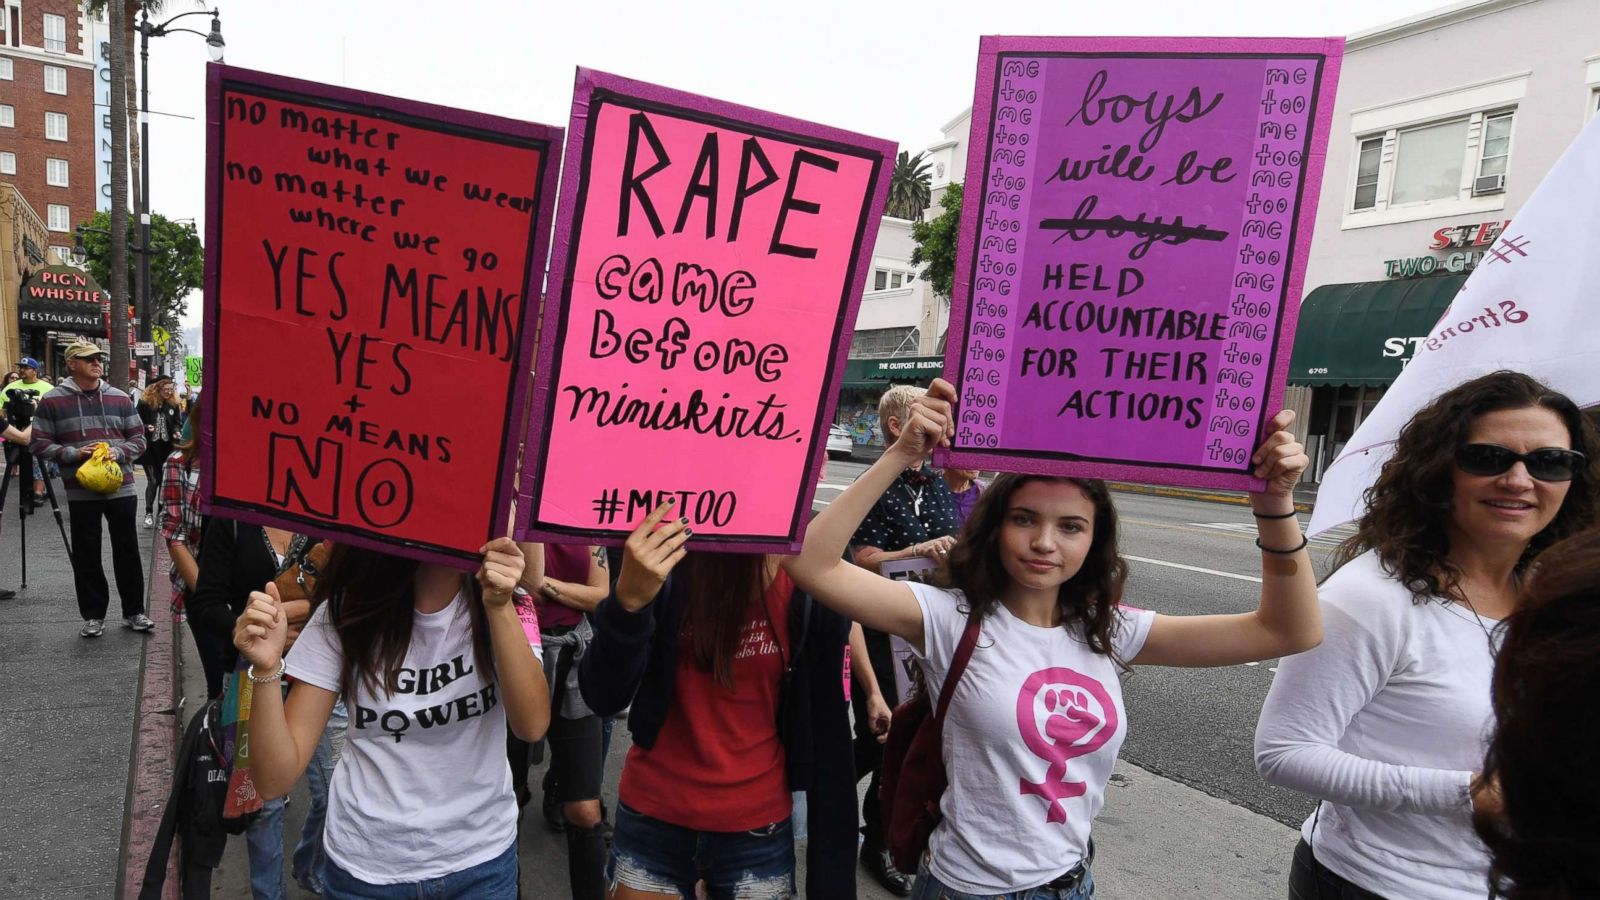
x: 101, y: 473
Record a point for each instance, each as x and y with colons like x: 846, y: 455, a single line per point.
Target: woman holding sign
x: 434, y: 665
x: 1386, y: 722
x: 738, y: 699
x: 1032, y: 596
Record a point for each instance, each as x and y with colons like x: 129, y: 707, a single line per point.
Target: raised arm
x: 624, y: 622
x: 856, y: 593
x: 1287, y: 620
x: 518, y: 674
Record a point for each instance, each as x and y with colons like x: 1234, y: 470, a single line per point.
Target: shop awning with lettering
x: 877, y: 374
x: 1364, y: 333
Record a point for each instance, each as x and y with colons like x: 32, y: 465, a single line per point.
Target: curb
x: 1229, y: 497
x: 152, y: 761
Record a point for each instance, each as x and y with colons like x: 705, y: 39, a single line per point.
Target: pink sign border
x: 989, y: 49
x: 587, y: 84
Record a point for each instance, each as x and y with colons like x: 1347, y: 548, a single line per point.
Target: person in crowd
x: 914, y: 519
x: 236, y: 559
x: 162, y: 416
x: 1035, y: 722
x: 965, y: 489
x: 68, y: 423
x: 738, y: 700
x: 567, y: 581
x: 20, y: 437
x: 28, y: 380
x: 1385, y: 722
x: 435, y: 665
x: 1543, y: 832
x: 181, y: 526
x: 11, y: 375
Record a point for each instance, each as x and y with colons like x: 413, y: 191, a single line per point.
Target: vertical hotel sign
x: 1133, y: 248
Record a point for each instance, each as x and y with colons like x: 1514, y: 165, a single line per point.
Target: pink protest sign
x: 708, y: 262
x: 1133, y: 242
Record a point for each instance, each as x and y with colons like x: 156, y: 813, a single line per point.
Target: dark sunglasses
x: 1545, y: 464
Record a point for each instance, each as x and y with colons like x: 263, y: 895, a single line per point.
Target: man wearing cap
x: 30, y: 381
x: 82, y: 412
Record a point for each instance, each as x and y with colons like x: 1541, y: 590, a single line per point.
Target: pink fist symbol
x: 1071, y: 728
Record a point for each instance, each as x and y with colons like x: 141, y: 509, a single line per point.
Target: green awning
x: 1363, y: 334
x: 876, y: 374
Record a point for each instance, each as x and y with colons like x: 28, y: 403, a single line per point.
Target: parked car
x: 840, y: 443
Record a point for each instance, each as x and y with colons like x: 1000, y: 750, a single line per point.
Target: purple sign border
x: 990, y: 47
x: 589, y: 83
x: 379, y: 106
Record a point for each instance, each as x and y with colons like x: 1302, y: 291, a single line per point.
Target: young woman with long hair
x: 738, y: 699
x: 1544, y: 835
x: 1035, y: 722
x: 1385, y: 723
x: 162, y: 415
x: 434, y: 666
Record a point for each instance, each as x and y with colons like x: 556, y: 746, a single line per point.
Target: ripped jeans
x: 650, y: 855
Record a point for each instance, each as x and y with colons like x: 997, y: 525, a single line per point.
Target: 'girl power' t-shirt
x: 423, y: 788
x: 1030, y: 739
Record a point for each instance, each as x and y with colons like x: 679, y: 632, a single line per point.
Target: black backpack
x: 194, y: 809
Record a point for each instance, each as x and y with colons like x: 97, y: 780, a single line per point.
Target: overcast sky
x: 896, y: 70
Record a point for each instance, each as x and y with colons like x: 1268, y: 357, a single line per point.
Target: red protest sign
x: 708, y: 264
x: 368, y: 270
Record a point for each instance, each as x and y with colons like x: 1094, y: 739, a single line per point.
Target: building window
x: 64, y: 254
x: 1367, y: 173
x: 55, y: 172
x: 5, y: 61
x: 55, y: 126
x: 55, y: 34
x: 1427, y: 163
x: 59, y: 216
x: 880, y: 280
x: 8, y: 163
x: 1495, y: 155
x: 55, y: 80
x: 8, y: 116
x: 885, y: 342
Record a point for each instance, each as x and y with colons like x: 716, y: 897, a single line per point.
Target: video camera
x: 20, y: 405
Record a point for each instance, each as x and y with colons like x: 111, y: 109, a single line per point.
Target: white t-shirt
x: 423, y: 788
x: 1030, y: 739
x: 1387, y: 720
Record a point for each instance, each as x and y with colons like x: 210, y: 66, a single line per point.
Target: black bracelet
x: 1265, y: 549
x: 1288, y: 515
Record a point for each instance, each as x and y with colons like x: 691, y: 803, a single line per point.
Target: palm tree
x: 910, y: 187
x: 117, y: 372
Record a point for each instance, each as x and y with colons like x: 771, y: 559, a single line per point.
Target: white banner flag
x: 1532, y: 306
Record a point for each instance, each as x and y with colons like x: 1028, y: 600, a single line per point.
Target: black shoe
x: 553, y: 816
x: 6, y: 595
x: 882, y: 868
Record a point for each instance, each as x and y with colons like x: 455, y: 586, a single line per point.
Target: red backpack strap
x: 958, y: 664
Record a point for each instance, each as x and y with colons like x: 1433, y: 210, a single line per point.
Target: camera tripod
x: 21, y: 459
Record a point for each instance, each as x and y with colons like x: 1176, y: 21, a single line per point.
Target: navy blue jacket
x: 634, y: 656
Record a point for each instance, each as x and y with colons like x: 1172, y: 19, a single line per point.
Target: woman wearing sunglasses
x: 1387, y: 721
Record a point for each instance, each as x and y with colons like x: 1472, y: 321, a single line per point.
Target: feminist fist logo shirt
x: 1030, y: 740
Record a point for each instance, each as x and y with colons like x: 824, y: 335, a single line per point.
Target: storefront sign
x: 1460, y: 238
x: 708, y: 263
x: 1132, y: 252
x: 372, y: 272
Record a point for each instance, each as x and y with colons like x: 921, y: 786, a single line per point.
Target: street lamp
x: 215, y: 47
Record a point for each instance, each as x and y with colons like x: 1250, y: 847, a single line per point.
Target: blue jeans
x: 309, y: 859
x: 264, y: 842
x: 658, y: 857
x: 492, y: 880
x: 928, y: 887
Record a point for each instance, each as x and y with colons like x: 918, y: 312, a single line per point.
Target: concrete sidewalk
x: 69, y: 717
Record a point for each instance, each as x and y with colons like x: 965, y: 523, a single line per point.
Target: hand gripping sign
x: 368, y: 269
x: 1133, y: 241
x: 708, y: 262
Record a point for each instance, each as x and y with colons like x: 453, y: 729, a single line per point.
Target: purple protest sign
x: 1133, y: 241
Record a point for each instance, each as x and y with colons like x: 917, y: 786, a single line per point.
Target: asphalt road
x: 1195, y: 726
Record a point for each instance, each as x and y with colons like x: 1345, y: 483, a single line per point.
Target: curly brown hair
x: 1544, y: 747
x: 1408, y: 505
x: 1088, y: 600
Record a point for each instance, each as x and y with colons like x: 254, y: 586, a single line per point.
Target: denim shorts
x: 653, y: 856
x: 492, y: 880
x: 930, y: 888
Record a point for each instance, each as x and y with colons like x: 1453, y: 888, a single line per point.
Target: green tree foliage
x: 177, y: 263
x: 936, y: 242
x: 909, y: 187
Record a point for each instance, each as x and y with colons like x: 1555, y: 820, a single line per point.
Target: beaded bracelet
x: 250, y: 672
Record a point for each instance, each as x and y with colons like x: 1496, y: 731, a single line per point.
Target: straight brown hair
x: 722, y: 587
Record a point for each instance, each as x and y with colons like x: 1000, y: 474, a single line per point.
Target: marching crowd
x: 1430, y: 692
